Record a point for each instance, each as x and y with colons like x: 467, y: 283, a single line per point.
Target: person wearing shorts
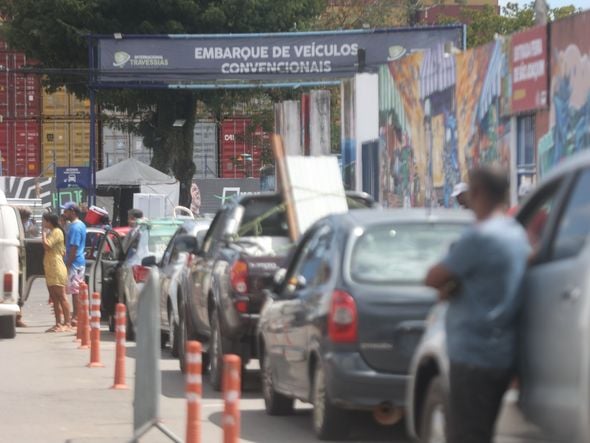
x: 75, y: 260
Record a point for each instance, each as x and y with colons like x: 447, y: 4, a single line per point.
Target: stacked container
x: 205, y: 150
x: 65, y: 130
x: 240, y: 154
x: 119, y: 145
x: 19, y: 116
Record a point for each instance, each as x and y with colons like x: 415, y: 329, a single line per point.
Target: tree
x: 54, y: 33
x: 485, y: 23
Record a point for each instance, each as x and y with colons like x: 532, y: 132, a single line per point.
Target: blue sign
x: 72, y: 177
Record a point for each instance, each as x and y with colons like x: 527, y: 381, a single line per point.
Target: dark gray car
x: 341, y: 329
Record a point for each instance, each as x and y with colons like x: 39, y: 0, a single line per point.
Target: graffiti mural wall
x: 569, y: 114
x: 439, y: 115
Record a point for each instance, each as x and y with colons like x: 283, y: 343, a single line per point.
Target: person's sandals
x: 55, y: 328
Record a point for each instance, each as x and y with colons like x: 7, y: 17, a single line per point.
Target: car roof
x: 369, y: 217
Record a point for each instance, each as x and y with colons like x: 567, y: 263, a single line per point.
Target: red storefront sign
x: 528, y: 56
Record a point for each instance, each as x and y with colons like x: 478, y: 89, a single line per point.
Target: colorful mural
x: 569, y: 114
x: 440, y: 115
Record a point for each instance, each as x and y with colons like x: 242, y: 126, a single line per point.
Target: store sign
x: 72, y: 177
x: 270, y: 57
x: 528, y: 57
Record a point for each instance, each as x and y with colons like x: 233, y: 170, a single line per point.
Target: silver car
x: 554, y: 364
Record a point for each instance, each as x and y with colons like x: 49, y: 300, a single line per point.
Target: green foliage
x: 54, y: 33
x: 484, y: 24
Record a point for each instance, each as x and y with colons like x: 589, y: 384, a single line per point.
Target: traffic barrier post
x: 78, y: 337
x: 83, y: 317
x: 120, y: 331
x: 232, y: 372
x: 194, y: 391
x: 95, y: 332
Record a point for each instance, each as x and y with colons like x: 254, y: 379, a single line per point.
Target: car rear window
x: 155, y: 239
x: 263, y: 217
x: 401, y: 253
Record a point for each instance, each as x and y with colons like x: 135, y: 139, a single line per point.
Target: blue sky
x: 584, y: 4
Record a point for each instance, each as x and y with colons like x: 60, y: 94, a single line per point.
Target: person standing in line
x: 481, y: 278
x: 461, y: 194
x: 133, y: 216
x: 56, y: 273
x: 75, y: 260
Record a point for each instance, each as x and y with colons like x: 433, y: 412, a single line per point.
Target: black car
x: 340, y: 330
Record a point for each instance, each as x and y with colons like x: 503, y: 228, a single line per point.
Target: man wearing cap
x: 75, y: 243
x: 460, y: 193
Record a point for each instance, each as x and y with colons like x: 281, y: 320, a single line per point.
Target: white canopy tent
x: 132, y: 173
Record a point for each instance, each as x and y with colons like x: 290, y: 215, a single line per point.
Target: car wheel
x: 329, y: 422
x: 182, y: 339
x: 433, y: 423
x: 7, y: 326
x: 173, y: 334
x: 275, y: 403
x: 215, y: 354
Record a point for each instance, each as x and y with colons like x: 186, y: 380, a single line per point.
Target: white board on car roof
x: 316, y: 188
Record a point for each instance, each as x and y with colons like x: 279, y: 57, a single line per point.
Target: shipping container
x: 64, y: 105
x: 20, y: 148
x: 65, y: 142
x: 19, y: 92
x: 241, y: 148
x: 205, y: 150
x: 118, y: 145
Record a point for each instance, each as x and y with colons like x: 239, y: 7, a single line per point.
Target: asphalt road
x: 47, y: 394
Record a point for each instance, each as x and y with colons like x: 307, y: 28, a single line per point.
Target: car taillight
x: 239, y: 277
x: 8, y: 285
x: 140, y: 273
x: 241, y: 305
x: 343, y: 318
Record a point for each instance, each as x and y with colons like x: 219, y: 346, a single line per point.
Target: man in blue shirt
x: 75, y: 244
x: 481, y: 278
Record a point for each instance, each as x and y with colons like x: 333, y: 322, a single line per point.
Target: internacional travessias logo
x: 122, y: 58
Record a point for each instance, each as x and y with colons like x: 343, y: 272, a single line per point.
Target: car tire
x: 275, y: 403
x: 434, y: 415
x: 215, y: 353
x: 182, y: 338
x: 7, y: 326
x: 173, y: 334
x: 329, y: 421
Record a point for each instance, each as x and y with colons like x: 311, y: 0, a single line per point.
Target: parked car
x: 554, y: 366
x: 104, y: 252
x: 11, y: 266
x: 341, y: 328
x: 144, y: 247
x: 246, y: 244
x: 178, y: 311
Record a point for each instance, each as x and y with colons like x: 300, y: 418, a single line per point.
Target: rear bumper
x: 352, y: 384
x: 9, y: 309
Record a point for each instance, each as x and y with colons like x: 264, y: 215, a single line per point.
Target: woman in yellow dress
x: 55, y: 270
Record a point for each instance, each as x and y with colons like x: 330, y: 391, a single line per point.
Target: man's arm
x: 440, y: 278
x: 71, y: 256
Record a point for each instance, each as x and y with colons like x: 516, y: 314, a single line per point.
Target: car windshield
x: 154, y: 240
x: 400, y: 253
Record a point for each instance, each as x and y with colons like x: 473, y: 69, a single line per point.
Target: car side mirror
x: 186, y: 243
x: 148, y: 261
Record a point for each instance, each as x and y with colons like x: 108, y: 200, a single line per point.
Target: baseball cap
x: 459, y: 189
x: 70, y: 205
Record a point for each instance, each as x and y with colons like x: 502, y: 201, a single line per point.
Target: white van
x: 11, y: 243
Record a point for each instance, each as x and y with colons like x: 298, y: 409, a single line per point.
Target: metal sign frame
x: 95, y: 84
